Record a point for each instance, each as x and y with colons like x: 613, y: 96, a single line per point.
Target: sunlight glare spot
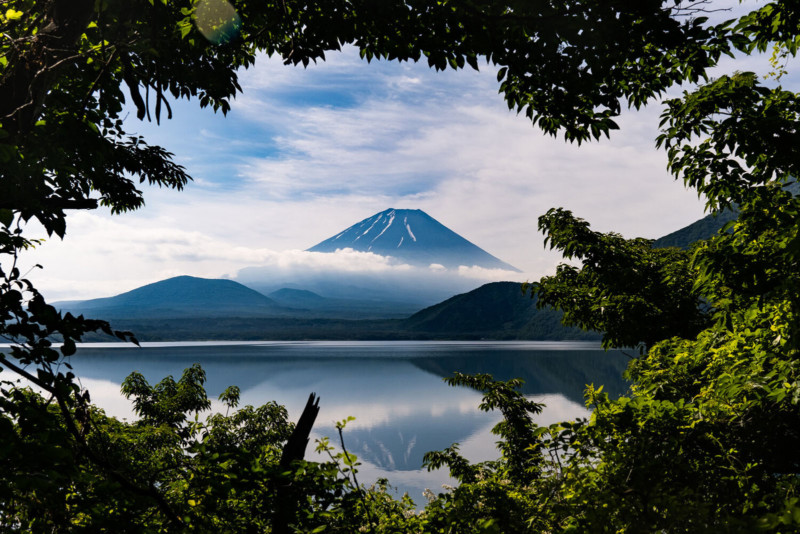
x: 217, y: 20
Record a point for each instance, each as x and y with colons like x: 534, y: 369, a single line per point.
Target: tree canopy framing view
x: 708, y: 440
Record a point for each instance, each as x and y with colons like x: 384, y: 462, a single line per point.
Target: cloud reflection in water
x: 402, y: 407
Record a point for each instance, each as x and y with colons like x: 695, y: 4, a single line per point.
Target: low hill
x: 498, y: 310
x: 181, y: 296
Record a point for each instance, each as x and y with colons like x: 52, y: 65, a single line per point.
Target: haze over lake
x: 393, y: 389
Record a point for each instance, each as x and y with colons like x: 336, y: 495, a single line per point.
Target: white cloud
x: 470, y: 163
x: 494, y: 275
x: 479, y: 169
x: 344, y: 260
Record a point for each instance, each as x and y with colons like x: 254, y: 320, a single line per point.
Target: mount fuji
x: 414, y: 237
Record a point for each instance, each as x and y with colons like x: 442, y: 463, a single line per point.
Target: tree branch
x: 55, y: 203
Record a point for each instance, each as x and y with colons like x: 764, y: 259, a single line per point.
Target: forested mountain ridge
x: 495, y: 311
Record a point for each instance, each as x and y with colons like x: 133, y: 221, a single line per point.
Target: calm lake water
x: 394, y: 389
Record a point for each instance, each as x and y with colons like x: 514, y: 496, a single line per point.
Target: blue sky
x: 305, y: 153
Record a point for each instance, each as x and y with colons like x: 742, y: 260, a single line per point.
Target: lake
x: 394, y: 389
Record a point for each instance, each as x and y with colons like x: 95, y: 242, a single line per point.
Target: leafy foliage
x: 635, y: 294
x: 707, y: 441
x: 221, y: 474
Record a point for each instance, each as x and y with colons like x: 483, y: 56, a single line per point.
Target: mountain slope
x: 701, y: 229
x: 708, y: 225
x: 498, y: 310
x: 179, y: 297
x: 414, y: 237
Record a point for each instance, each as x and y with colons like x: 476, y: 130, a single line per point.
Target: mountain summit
x: 414, y: 237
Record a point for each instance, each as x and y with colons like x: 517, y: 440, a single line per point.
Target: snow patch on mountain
x: 386, y: 227
x: 408, y: 227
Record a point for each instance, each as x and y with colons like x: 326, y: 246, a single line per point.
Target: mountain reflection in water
x: 395, y: 390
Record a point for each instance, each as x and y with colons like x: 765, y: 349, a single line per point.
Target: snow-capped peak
x: 429, y: 242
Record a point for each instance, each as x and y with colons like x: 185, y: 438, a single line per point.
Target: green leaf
x: 6, y: 217
x: 13, y: 14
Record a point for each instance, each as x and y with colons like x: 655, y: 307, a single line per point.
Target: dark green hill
x: 498, y: 310
x: 707, y: 226
x: 180, y: 297
x: 702, y: 229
